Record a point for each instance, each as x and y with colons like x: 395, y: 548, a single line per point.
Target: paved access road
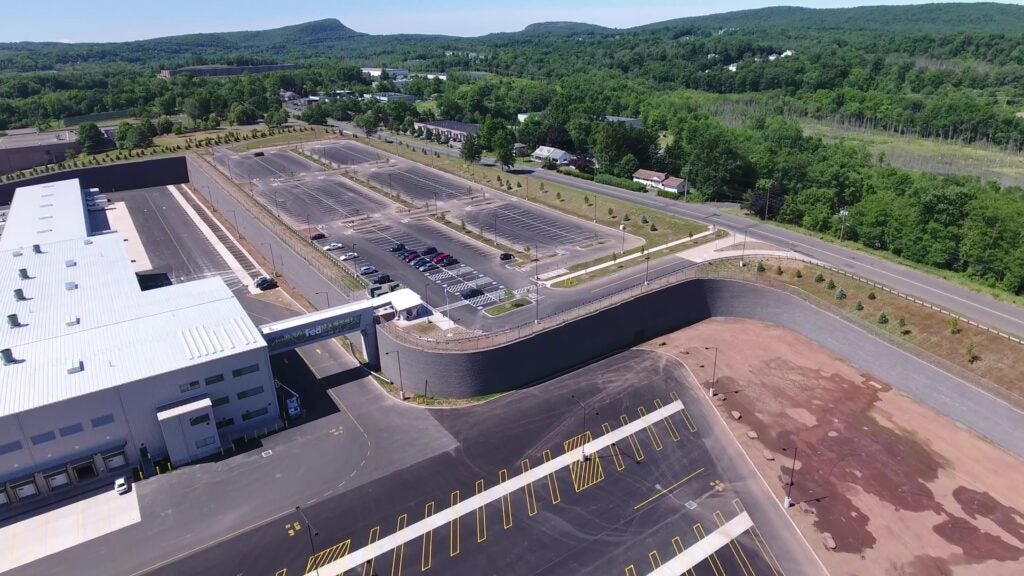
x: 948, y: 295
x: 625, y: 510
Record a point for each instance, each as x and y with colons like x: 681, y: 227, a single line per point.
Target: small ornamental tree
x: 840, y: 294
x: 760, y: 266
x: 871, y: 295
x: 819, y: 278
x: 954, y: 325
x: 859, y: 306
x: 882, y: 318
x: 831, y: 284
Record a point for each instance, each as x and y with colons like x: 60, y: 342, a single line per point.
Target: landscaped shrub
x: 819, y: 278
x: 840, y: 294
x: 619, y: 182
x: 882, y: 318
x: 669, y: 194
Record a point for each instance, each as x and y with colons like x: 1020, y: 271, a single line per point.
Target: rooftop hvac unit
x: 7, y: 356
x: 37, y: 249
x: 19, y: 294
x: 74, y: 366
x: 23, y: 273
x: 12, y: 321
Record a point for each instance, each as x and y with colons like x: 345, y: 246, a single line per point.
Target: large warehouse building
x: 99, y: 376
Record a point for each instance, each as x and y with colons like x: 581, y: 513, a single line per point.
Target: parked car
x: 364, y: 270
x: 349, y: 256
x: 438, y: 257
x: 121, y: 485
x: 427, y: 267
x: 334, y: 246
x: 397, y: 247
x: 449, y: 261
x: 428, y: 251
x: 318, y: 236
x: 258, y: 154
x: 265, y: 283
x: 382, y: 279
x: 470, y: 293
x: 505, y: 256
x: 412, y: 256
x: 404, y: 253
x: 419, y: 262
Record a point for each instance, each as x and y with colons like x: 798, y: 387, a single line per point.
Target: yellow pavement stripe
x: 668, y: 423
x: 506, y: 501
x: 531, y: 497
x: 368, y: 568
x: 454, y: 536
x: 716, y: 566
x: 655, y: 559
x: 637, y: 452
x: 616, y: 457
x: 737, y: 550
x: 677, y: 545
x: 588, y: 471
x: 281, y: 572
x: 686, y: 417
x: 324, y: 557
x: 428, y: 540
x: 762, y: 545
x: 630, y: 570
x: 650, y: 430
x: 552, y: 481
x: 481, y: 516
x: 399, y: 554
x: 666, y: 490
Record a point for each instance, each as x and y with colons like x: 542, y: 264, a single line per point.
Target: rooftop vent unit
x: 17, y: 253
x: 71, y: 321
x: 12, y: 321
x: 70, y: 285
x: 74, y: 367
x: 23, y: 273
x: 7, y: 356
x: 37, y: 249
x: 19, y: 294
x: 69, y: 263
x: 87, y: 241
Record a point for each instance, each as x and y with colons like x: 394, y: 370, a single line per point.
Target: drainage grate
x: 691, y: 505
x: 269, y: 452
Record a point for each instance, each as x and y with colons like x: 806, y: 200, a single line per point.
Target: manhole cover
x: 269, y: 452
x: 691, y: 505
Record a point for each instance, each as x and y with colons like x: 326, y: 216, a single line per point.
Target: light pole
x: 309, y: 530
x: 327, y: 295
x: 842, y: 230
x: 584, y: 410
x: 273, y: 261
x: 536, y: 281
x: 714, y: 371
x: 743, y: 255
x: 623, y: 228
x: 398, y: 359
x: 647, y: 268
x: 495, y: 229
x: 435, y: 203
x: 789, y: 485
x: 767, y: 199
x: 238, y: 231
x: 277, y: 205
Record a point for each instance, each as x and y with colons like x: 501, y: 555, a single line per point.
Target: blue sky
x: 114, y: 20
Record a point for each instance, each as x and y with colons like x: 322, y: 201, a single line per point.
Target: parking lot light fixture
x: 583, y: 407
x: 398, y: 360
x: 273, y: 261
x: 309, y: 530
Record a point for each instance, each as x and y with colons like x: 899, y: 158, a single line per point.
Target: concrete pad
x: 67, y: 526
x: 121, y: 221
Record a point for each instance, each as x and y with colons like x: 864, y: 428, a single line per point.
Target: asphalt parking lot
x: 273, y: 164
x: 344, y: 153
x: 625, y: 509
x: 520, y: 227
x: 419, y: 184
x: 318, y: 200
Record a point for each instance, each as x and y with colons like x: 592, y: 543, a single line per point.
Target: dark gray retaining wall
x: 111, y: 178
x: 540, y: 357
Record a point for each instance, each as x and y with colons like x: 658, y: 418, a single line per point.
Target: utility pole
x: 767, y: 199
x: 584, y: 410
x: 398, y: 359
x: 842, y: 230
x: 238, y: 231
x: 495, y: 229
x: 788, y: 503
x: 714, y: 371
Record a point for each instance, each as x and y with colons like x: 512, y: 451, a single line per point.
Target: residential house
x: 545, y: 153
x: 660, y: 180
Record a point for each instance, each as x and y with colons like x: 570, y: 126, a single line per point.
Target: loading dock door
x: 3, y: 496
x: 114, y: 461
x: 57, y: 480
x: 26, y: 490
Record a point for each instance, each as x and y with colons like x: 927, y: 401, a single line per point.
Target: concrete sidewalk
x: 67, y: 526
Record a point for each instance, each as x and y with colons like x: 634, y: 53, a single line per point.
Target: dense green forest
x: 720, y: 93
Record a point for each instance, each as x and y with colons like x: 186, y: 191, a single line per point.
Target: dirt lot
x: 900, y: 489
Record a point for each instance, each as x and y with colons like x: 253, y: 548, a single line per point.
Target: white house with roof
x: 660, y: 180
x: 97, y: 376
x: 545, y: 153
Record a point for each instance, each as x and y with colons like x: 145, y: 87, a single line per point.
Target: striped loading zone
x: 573, y: 456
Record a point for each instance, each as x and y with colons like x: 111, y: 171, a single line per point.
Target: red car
x: 439, y: 257
x: 411, y: 257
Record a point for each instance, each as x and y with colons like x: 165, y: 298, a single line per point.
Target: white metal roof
x: 549, y: 152
x: 45, y: 213
x: 184, y: 408
x: 85, y: 325
x: 400, y: 300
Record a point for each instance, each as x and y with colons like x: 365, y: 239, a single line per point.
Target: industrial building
x: 28, y: 148
x: 99, y: 377
x: 451, y: 129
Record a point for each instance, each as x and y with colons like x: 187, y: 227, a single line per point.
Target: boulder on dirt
x: 786, y: 479
x: 752, y: 434
x: 720, y: 397
x: 829, y: 542
x: 736, y: 415
x: 768, y: 455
